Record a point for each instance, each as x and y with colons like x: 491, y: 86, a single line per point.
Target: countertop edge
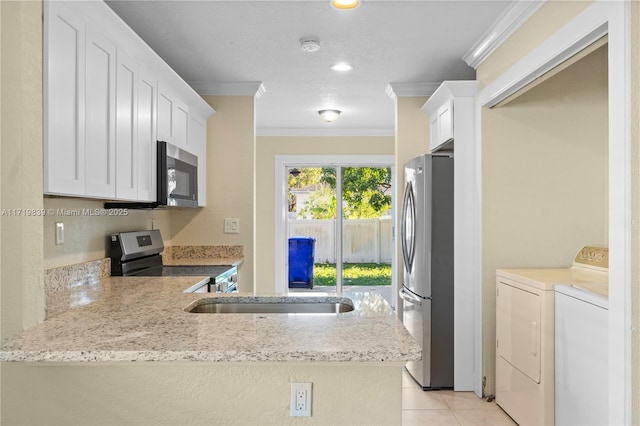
x: 90, y: 357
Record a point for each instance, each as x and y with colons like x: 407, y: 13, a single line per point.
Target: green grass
x: 353, y: 274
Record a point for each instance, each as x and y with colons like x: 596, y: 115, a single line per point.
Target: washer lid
x: 594, y: 294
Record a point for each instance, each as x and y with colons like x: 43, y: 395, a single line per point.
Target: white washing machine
x: 581, y: 360
x: 525, y: 338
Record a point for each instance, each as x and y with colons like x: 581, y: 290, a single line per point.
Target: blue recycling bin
x: 301, y: 256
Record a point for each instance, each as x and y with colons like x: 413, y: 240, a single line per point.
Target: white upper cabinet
x: 64, y: 91
x: 449, y: 113
x: 104, y: 111
x: 444, y: 129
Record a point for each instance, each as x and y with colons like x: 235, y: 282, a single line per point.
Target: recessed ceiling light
x: 329, y: 115
x: 309, y: 44
x: 345, y: 4
x: 341, y: 66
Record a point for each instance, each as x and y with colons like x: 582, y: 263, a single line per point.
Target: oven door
x: 226, y: 282
x: 177, y: 176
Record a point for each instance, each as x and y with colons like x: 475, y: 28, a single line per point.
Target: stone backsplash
x: 201, y: 252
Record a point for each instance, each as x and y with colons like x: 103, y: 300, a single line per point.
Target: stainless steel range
x: 137, y: 253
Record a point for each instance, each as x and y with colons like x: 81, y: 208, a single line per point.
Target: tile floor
x: 447, y: 407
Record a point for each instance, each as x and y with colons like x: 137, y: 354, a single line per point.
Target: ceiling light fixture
x: 309, y: 44
x: 341, y: 66
x: 345, y: 4
x: 329, y: 115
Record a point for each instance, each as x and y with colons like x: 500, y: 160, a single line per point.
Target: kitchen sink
x: 292, y: 305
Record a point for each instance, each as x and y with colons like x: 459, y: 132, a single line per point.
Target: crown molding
x: 290, y: 131
x: 395, y: 90
x: 240, y: 88
x: 518, y: 12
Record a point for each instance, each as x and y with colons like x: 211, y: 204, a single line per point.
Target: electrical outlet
x: 300, y: 399
x: 231, y: 225
x: 59, y: 233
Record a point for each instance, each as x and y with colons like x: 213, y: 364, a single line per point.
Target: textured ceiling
x: 217, y: 42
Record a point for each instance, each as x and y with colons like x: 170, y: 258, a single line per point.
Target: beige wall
x: 197, y: 393
x: 230, y: 183
x: 267, y: 147
x: 545, y: 179
x: 412, y: 140
x: 85, y: 235
x: 21, y: 181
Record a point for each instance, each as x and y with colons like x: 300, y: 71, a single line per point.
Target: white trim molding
x: 395, y: 90
x: 511, y: 19
x: 566, y: 42
x: 292, y: 131
x: 611, y: 18
x: 238, y: 88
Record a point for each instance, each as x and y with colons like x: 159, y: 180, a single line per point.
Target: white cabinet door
x: 181, y: 126
x: 99, y: 116
x: 166, y: 106
x: 126, y: 127
x: 147, y: 144
x: 445, y: 122
x: 198, y: 145
x: 433, y: 133
x: 64, y: 101
x: 441, y: 126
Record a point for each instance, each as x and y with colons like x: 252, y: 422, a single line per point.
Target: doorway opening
x: 338, y: 228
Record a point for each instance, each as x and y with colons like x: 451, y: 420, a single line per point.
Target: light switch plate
x: 231, y: 225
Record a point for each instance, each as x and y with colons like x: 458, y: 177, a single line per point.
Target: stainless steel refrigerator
x: 427, y: 249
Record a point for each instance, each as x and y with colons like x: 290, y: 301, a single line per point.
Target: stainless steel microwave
x: 177, y: 176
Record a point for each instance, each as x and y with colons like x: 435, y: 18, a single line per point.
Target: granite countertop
x: 143, y: 319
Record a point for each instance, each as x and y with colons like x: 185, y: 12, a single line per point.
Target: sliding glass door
x: 339, y: 228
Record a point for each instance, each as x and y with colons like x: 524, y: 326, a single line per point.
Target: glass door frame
x: 284, y: 163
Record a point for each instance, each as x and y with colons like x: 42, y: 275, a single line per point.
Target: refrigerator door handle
x: 409, y: 298
x: 408, y: 205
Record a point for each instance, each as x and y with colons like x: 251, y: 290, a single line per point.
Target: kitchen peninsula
x: 124, y: 350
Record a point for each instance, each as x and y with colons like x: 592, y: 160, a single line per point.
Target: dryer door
x: 518, y: 329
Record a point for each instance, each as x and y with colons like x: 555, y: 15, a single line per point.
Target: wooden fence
x: 364, y: 240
